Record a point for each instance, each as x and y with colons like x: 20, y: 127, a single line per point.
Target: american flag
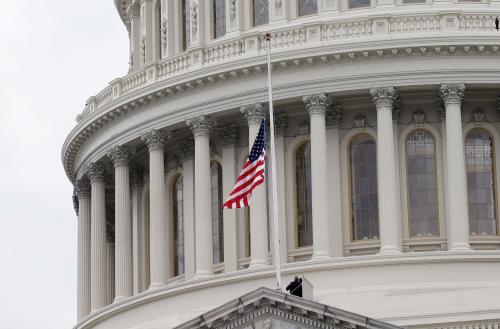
x: 252, y: 174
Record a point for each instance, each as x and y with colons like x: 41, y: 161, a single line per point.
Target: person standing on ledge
x: 295, y: 287
x: 496, y: 23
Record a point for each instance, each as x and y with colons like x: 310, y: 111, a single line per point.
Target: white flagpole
x: 277, y: 258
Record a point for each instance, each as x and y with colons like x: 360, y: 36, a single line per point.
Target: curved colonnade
x: 386, y: 156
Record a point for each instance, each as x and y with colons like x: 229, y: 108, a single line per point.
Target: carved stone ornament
x: 478, y: 115
x: 303, y: 128
x: 280, y: 124
x: 316, y: 104
x: 333, y: 116
x: 396, y: 109
x: 440, y: 107
x: 95, y: 171
x: 383, y: 97
x: 136, y: 176
x: 119, y: 155
x: 187, y: 148
x: 254, y: 113
x: 82, y: 188
x: 201, y: 126
x: 229, y: 134
x: 452, y: 93
x: 173, y: 163
x: 232, y: 9
x: 155, y: 139
x: 76, y: 203
x: 143, y: 49
x: 268, y: 323
x: 194, y: 17
x: 278, y: 4
x: 418, y: 117
x: 359, y: 120
x: 164, y: 25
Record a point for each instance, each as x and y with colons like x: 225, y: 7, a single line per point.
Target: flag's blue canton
x: 259, y: 144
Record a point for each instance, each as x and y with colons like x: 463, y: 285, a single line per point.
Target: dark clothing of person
x: 496, y: 23
x: 295, y: 287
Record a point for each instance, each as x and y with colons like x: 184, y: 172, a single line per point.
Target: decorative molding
x: 280, y: 124
x: 232, y: 9
x: 187, y: 149
x: 359, y: 120
x: 119, y: 155
x: 452, y: 93
x: 383, y: 97
x: 439, y: 104
x: 82, y: 188
x: 229, y: 134
x: 254, y: 113
x: 303, y: 128
x: 418, y: 117
x: 201, y: 125
x: 155, y: 139
x: 316, y: 104
x: 96, y: 171
x: 194, y: 17
x: 333, y: 116
x: 164, y: 30
x: 76, y: 202
x: 136, y: 176
x: 478, y: 116
x: 143, y: 49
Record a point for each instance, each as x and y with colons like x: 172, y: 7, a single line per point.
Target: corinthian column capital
x: 155, y: 139
x: 95, y: 171
x: 254, y: 113
x: 201, y: 126
x: 383, y: 97
x: 82, y: 188
x: 452, y: 93
x: 119, y: 155
x: 316, y: 104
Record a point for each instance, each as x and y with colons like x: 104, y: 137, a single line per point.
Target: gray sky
x: 54, y: 54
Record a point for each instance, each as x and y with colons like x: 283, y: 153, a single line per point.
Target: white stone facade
x: 387, y: 133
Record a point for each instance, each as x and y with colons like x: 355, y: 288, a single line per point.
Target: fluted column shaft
x: 458, y: 221
x: 158, y: 248
x: 83, y: 267
x: 139, y: 231
x: 98, y: 278
x: 259, y: 250
x: 201, y: 127
x: 389, y: 219
x: 316, y: 106
x: 119, y: 155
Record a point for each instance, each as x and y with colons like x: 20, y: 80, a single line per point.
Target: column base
x: 202, y: 275
x: 390, y: 250
x: 156, y: 285
x: 321, y: 255
x: 258, y: 263
x: 458, y: 247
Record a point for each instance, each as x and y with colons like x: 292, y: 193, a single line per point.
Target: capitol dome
x: 387, y: 121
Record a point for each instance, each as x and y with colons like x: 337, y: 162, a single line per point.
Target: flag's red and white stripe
x: 251, y: 176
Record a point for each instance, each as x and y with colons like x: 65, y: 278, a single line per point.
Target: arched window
x: 219, y: 10
x: 303, y: 195
x: 217, y: 221
x: 260, y: 12
x: 177, y: 202
x: 308, y: 7
x: 480, y: 166
x: 422, y: 184
x: 186, y: 28
x: 364, y: 196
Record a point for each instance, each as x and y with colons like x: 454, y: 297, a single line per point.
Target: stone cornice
x: 97, y: 119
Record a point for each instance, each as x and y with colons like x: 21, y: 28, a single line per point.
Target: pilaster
x: 188, y: 208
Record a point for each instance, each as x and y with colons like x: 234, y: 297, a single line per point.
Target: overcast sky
x: 54, y: 54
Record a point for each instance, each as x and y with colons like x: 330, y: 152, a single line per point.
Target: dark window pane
x: 364, y: 198
x: 177, y: 203
x: 217, y: 221
x: 219, y: 11
x: 358, y: 3
x: 480, y: 182
x: 303, y: 192
x: 308, y: 7
x: 186, y: 30
x: 260, y: 12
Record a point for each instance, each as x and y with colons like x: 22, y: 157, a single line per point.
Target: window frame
x: 295, y: 203
x: 173, y: 189
x: 220, y: 189
x: 297, y: 3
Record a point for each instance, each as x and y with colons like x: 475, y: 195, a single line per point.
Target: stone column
x: 139, y: 231
x: 155, y: 141
x: 83, y: 267
x: 134, y: 15
x: 229, y: 137
x: 188, y: 208
x: 201, y: 127
x: 98, y: 279
x: 110, y: 268
x: 120, y: 155
x: 316, y: 106
x: 389, y: 219
x: 258, y: 204
x: 458, y: 221
x: 333, y: 120
x: 147, y: 31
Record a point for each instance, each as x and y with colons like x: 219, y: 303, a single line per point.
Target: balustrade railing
x: 253, y: 44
